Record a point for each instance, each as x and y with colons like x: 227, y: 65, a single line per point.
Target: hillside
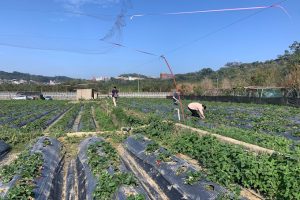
x: 27, y: 77
x: 281, y: 71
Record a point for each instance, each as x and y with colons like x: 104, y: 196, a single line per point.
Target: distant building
x: 129, y: 78
x: 165, y: 76
x: 102, y: 78
x: 52, y: 82
x: 22, y: 81
x: 15, y: 82
x: 84, y: 94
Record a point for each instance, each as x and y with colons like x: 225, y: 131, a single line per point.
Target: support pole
x: 175, y: 84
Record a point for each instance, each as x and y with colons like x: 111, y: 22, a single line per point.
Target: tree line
x: 284, y: 71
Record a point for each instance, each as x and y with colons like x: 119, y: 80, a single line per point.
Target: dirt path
x: 251, y: 147
x: 69, y: 188
x: 85, y: 134
x: 94, y: 118
x: 9, y: 158
x: 77, y: 120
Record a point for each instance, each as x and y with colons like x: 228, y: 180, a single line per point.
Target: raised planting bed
x: 101, y: 174
x: 87, y: 122
x: 67, y: 121
x: 45, y: 121
x: 216, y: 122
x: 177, y: 178
x: 124, y: 119
x: 104, y: 120
x: 274, y: 176
x: 270, y: 141
x: 270, y: 119
x: 35, y: 174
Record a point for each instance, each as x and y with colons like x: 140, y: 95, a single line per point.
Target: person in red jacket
x: 197, y: 109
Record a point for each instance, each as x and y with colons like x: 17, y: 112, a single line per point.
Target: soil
x: 9, y: 158
x: 77, y: 121
x: 94, y: 118
x: 71, y: 153
x: 250, y: 194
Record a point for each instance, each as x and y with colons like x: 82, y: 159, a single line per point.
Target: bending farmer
x: 115, y: 95
x: 197, y: 109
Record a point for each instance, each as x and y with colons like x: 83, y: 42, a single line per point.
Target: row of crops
x: 274, y: 176
x: 34, y: 116
x: 269, y: 126
x: 138, y: 151
x: 31, y: 116
x: 101, y: 173
x: 277, y: 120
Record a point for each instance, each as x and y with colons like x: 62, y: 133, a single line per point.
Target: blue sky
x: 62, y: 37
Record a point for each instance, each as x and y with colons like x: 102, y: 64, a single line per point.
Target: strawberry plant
x: 99, y: 163
x: 136, y: 197
x: 164, y: 156
x: 230, y: 166
x: 104, y: 120
x: 193, y: 177
x: 66, y: 123
x: 152, y: 147
x: 87, y: 122
x: 125, y: 119
x: 28, y: 166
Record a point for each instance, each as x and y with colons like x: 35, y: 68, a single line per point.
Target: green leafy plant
x: 28, y: 166
x: 193, y: 177
x: 152, y: 147
x: 47, y: 142
x: 181, y: 170
x: 164, y: 156
x: 99, y: 164
x: 136, y: 197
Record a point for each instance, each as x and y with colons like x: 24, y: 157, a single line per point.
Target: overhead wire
x: 133, y: 49
x: 210, y: 33
x: 88, y: 52
x: 207, y: 35
x: 222, y: 28
x: 263, y: 8
x: 208, y: 11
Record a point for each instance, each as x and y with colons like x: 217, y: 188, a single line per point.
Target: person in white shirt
x: 197, y: 109
x: 175, y: 98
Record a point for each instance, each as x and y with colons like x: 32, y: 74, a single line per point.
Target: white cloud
x: 75, y: 5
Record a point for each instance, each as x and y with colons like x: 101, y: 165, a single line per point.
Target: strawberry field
x: 141, y: 150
